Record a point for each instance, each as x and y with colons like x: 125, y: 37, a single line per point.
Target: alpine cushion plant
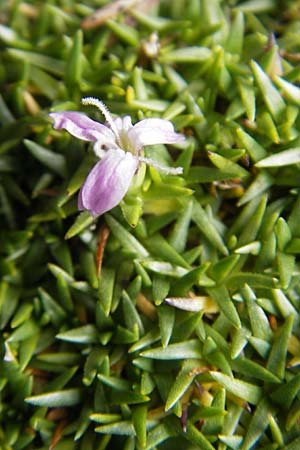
x: 182, y: 332
x: 119, y: 145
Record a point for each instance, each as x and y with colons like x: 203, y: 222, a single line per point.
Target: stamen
x: 105, y: 111
x: 158, y: 166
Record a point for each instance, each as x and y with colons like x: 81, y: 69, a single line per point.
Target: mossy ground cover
x: 173, y: 320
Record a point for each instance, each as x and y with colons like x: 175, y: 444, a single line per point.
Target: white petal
x: 155, y: 131
x: 123, y: 123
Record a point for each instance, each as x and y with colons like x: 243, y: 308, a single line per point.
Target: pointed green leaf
x: 280, y: 159
x: 270, y: 94
x: 57, y: 399
x: 54, y: 161
x: 207, y: 228
x: 221, y: 296
x: 246, y: 391
x: 126, y: 239
x: 87, y: 334
x: 183, y: 350
x: 83, y: 221
x: 278, y: 354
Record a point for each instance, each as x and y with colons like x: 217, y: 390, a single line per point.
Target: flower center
x: 120, y: 127
x: 126, y: 143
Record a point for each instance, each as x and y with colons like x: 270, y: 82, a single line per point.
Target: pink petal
x: 81, y: 126
x: 108, y: 182
x: 155, y: 131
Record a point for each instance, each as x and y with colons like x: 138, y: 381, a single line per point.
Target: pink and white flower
x: 119, y: 145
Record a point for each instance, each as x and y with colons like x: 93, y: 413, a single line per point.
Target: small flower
x: 119, y: 145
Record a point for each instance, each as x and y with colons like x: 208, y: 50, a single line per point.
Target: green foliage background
x: 92, y: 356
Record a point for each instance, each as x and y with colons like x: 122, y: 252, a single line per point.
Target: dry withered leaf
x: 107, y: 12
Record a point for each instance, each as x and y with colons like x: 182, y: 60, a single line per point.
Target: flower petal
x: 81, y: 126
x: 155, y: 131
x: 108, y: 182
